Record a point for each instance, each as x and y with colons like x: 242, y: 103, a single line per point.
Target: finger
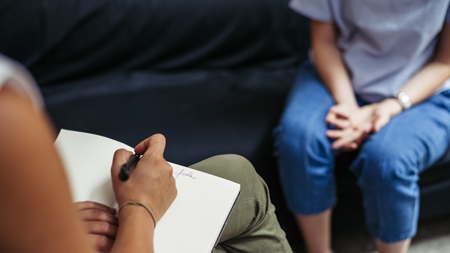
x: 101, y: 243
x: 340, y: 111
x: 364, y: 129
x: 121, y: 157
x: 350, y: 146
x: 340, y: 123
x: 360, y: 136
x: 83, y: 205
x: 353, y: 145
x: 152, y: 146
x: 346, y: 139
x: 98, y: 215
x: 330, y: 117
x: 379, y: 123
x: 101, y: 228
x: 376, y: 126
x: 339, y: 133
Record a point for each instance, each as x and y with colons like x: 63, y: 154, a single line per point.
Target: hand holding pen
x: 151, y: 181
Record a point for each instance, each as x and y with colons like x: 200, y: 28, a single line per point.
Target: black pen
x: 127, y: 168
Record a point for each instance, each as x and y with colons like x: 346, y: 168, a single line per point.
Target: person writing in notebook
x: 377, y: 80
x: 37, y: 214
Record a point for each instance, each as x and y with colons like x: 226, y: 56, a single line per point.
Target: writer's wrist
x: 135, y: 213
x: 140, y: 204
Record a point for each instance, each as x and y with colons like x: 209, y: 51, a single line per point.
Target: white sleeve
x: 16, y: 76
x: 313, y: 9
x: 447, y: 17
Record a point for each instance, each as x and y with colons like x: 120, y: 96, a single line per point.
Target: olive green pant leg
x: 219, y: 249
x: 253, y: 225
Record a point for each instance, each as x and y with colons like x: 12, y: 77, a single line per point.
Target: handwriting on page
x: 184, y: 174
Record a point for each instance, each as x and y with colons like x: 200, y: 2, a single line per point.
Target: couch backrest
x: 70, y: 39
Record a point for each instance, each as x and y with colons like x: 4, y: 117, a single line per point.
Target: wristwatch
x: 403, y: 100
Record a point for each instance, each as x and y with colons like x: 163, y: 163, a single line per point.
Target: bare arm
x: 434, y: 74
x: 150, y: 183
x: 37, y: 213
x: 331, y: 68
x: 329, y: 64
x: 372, y: 118
x: 428, y: 79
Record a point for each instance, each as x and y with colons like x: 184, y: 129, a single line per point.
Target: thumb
x: 152, y: 146
x: 379, y: 122
x: 341, y: 111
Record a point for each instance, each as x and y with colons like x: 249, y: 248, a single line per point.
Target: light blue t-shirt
x: 383, y: 42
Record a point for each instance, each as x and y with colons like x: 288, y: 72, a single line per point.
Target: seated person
x: 37, y: 214
x: 377, y: 80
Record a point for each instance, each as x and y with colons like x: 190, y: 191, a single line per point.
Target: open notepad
x: 194, y: 221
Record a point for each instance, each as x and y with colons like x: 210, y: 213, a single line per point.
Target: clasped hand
x: 354, y: 124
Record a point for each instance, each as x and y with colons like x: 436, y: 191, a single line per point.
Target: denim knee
x: 305, y: 164
x: 305, y: 159
x: 387, y: 175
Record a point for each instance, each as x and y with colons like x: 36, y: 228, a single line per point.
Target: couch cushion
x: 64, y: 40
x: 201, y: 113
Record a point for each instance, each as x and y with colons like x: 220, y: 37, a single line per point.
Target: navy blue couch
x: 212, y: 76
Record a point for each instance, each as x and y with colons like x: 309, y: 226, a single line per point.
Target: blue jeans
x: 387, y: 167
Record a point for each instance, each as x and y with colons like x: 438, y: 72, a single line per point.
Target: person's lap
x: 252, y: 226
x: 407, y: 145
x: 390, y: 161
x: 305, y: 158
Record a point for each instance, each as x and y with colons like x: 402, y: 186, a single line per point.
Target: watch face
x: 406, y: 101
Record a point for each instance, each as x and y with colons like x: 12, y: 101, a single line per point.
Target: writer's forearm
x: 329, y: 64
x: 136, y: 229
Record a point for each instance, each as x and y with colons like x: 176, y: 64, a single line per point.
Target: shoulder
x: 15, y: 76
x: 447, y: 16
x: 314, y: 9
x: 15, y: 110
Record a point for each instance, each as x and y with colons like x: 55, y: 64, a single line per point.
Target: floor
x: 433, y: 236
x: 349, y: 233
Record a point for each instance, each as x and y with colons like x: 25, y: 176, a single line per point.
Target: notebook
x: 192, y: 224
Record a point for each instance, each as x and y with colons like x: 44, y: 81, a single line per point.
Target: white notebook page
x: 191, y: 225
